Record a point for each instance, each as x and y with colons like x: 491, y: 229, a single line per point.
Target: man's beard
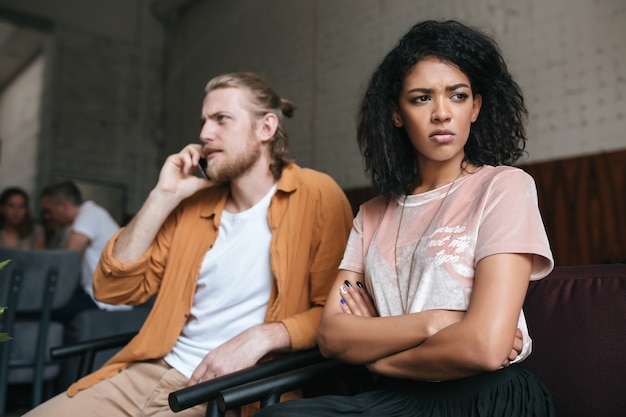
x: 231, y: 169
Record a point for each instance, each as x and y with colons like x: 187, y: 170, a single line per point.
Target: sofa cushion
x: 577, y: 319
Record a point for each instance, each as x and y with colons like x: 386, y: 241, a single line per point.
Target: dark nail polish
x: 347, y: 283
x: 358, y: 284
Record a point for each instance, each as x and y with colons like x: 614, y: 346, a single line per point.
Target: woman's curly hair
x: 497, y: 137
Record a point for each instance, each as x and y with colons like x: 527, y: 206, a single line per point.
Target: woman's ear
x: 477, y: 104
x: 396, y: 118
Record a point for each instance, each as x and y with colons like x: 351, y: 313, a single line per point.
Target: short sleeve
x: 353, y: 255
x: 512, y: 222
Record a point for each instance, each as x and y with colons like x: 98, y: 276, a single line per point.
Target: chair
x: 33, y: 284
x: 89, y: 325
x: 87, y: 350
x: 264, y: 382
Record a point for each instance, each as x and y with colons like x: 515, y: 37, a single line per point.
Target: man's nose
x: 207, y: 131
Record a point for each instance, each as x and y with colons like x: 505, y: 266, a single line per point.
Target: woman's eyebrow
x: 425, y: 90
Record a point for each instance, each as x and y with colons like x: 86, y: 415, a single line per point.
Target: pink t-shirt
x: 492, y: 211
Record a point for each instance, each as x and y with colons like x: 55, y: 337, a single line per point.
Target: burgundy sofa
x: 577, y: 320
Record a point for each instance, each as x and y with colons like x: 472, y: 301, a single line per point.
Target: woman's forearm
x: 358, y: 339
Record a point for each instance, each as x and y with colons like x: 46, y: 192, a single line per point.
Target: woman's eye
x: 420, y: 99
x: 460, y: 96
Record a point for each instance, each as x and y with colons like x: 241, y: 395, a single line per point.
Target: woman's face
x: 14, y: 210
x: 436, y: 108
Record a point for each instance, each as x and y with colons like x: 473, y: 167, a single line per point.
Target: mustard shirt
x: 310, y: 219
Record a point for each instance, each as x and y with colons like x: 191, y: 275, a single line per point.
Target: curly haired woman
x: 430, y: 291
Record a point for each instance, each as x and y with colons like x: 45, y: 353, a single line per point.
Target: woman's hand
x: 356, y: 300
x: 518, y: 346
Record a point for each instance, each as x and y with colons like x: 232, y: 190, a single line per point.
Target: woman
x: 430, y: 291
x: 17, y: 228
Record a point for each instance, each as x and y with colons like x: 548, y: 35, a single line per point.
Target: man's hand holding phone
x: 177, y: 181
x: 178, y: 175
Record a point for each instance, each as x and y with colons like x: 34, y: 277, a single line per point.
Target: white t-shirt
x: 97, y: 224
x: 492, y: 211
x: 233, y: 287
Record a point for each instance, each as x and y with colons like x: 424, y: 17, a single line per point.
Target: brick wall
x: 20, y: 106
x: 568, y: 56
x: 100, y: 99
x: 102, y: 115
x: 103, y: 109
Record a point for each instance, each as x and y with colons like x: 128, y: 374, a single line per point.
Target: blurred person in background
x: 90, y: 227
x: 18, y: 229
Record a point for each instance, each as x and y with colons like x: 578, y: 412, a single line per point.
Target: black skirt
x: 509, y: 392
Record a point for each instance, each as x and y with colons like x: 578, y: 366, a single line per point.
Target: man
x: 89, y: 227
x: 242, y: 263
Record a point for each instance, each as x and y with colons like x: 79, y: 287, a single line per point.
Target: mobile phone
x: 202, y: 164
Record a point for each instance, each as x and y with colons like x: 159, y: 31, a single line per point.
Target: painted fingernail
x: 358, y: 284
x: 343, y: 301
x: 347, y: 283
x: 343, y: 290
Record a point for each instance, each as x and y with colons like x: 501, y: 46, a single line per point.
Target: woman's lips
x: 442, y: 136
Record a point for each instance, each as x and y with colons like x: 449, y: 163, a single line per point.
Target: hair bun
x: 287, y: 107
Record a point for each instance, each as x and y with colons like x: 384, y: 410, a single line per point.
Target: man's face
x: 55, y: 213
x: 229, y: 134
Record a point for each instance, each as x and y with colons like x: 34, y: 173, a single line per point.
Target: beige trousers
x: 141, y: 390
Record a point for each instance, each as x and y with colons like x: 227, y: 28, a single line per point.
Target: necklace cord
x: 404, y: 300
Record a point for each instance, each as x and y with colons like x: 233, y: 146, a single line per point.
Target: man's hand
x: 176, y: 182
x: 177, y: 174
x: 242, y: 351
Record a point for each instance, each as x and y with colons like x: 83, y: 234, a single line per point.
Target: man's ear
x: 266, y: 126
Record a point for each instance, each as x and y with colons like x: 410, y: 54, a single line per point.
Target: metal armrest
x: 268, y: 390
x: 209, y: 390
x: 87, y: 350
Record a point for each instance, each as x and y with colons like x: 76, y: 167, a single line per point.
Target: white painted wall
x: 127, y: 20
x: 105, y: 79
x: 100, y: 100
x: 569, y: 56
x: 20, y: 106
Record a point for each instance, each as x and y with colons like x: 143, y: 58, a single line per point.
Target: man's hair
x: 496, y: 138
x: 263, y: 100
x: 63, y: 191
